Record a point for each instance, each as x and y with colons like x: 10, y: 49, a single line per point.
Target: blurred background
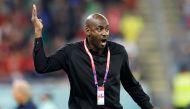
x: 156, y: 34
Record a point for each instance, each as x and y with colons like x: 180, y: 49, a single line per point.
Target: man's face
x: 99, y: 32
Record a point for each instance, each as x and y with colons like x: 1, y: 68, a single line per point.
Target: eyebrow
x: 102, y: 26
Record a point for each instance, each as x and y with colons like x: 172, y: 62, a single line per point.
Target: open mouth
x: 103, y: 42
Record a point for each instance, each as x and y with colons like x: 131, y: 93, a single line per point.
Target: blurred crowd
x: 181, y: 51
x: 180, y: 41
x: 63, y: 22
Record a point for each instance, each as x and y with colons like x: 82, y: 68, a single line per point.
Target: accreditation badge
x: 100, y: 95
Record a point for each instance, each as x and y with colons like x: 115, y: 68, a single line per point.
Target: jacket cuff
x: 146, y: 105
x: 38, y: 44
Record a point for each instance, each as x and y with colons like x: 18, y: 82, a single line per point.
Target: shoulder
x: 116, y: 48
x: 31, y: 105
x: 71, y: 46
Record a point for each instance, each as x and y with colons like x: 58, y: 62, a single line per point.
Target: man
x: 181, y: 88
x: 22, y: 95
x: 94, y: 67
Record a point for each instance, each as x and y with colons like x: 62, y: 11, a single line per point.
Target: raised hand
x: 36, y: 22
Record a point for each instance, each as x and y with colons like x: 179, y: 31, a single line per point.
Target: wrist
x: 38, y: 34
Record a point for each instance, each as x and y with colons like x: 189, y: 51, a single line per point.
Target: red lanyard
x: 93, y: 65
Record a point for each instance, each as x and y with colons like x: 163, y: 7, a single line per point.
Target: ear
x: 87, y: 30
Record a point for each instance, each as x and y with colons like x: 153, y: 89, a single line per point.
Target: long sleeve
x: 132, y: 86
x: 52, y: 63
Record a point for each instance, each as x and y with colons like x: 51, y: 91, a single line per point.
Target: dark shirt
x: 75, y: 61
x: 28, y: 105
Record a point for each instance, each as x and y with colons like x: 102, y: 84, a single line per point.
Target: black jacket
x: 75, y: 61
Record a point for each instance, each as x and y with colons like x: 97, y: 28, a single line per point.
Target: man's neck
x: 93, y: 48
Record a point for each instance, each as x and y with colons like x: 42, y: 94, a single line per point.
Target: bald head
x: 92, y: 19
x: 21, y: 91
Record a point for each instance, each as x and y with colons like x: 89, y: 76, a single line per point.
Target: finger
x: 34, y: 12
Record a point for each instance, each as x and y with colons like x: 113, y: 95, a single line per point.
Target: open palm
x: 36, y: 22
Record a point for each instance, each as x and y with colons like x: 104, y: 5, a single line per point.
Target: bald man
x: 22, y: 95
x: 94, y: 67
